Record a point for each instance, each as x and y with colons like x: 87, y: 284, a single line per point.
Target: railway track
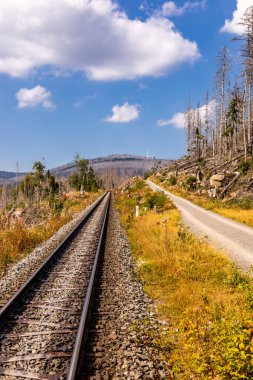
x: 43, y: 327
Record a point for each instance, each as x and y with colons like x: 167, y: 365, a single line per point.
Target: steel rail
x: 15, y: 300
x: 78, y: 353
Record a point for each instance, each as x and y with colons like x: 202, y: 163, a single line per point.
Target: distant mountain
x: 112, y: 169
x: 6, y: 176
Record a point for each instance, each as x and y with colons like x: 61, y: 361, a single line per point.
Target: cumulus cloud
x: 169, y: 8
x: 124, y: 113
x: 30, y: 98
x: 178, y: 119
x: 91, y: 36
x: 233, y: 25
x: 211, y: 107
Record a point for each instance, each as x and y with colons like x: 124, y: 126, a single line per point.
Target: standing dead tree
x: 223, y: 126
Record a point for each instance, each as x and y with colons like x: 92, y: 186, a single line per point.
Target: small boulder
x: 216, y: 180
x: 218, y: 177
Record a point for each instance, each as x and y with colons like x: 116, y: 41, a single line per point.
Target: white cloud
x: 30, y: 98
x: 178, y: 119
x: 90, y: 36
x: 124, y: 113
x: 233, y: 26
x: 169, y: 8
x: 211, y: 107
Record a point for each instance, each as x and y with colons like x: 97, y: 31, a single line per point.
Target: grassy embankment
x: 18, y: 238
x: 207, y: 302
x: 238, y: 210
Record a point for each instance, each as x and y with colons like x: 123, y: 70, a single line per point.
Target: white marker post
x: 137, y: 212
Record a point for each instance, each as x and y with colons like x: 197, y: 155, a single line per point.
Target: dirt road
x: 235, y: 238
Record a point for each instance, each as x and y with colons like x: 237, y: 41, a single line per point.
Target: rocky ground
x: 232, y: 179
x: 119, y: 344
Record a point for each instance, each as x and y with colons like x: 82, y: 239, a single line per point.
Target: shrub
x: 190, y: 183
x: 208, y: 173
x: 21, y: 204
x: 172, y: 181
x: 244, y: 167
x: 9, y: 206
x: 157, y: 199
x: 148, y: 174
x: 56, y: 205
x: 139, y: 185
x: 201, y: 162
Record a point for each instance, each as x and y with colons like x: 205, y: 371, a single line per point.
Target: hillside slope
x: 228, y: 180
x: 113, y: 169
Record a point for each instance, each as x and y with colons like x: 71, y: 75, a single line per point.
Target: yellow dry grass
x: 18, y: 239
x: 242, y: 216
x: 207, y: 302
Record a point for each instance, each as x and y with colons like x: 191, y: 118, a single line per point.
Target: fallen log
x: 230, y: 184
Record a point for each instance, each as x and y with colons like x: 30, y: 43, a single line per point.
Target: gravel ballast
x: 121, y: 315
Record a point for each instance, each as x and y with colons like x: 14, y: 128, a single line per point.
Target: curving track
x: 43, y: 326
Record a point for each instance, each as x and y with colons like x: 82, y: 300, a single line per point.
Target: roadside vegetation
x: 38, y: 206
x: 206, y: 303
x: 240, y: 210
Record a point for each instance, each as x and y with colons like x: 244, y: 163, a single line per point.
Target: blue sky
x: 96, y: 81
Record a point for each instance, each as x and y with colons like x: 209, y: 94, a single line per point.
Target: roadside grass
x: 239, y: 210
x: 206, y: 301
x: 18, y: 239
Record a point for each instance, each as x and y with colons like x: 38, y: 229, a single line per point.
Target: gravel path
x: 235, y: 238
x: 121, y: 317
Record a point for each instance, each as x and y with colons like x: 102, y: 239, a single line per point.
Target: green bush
x: 157, y: 199
x: 9, y: 206
x: 201, y: 162
x: 139, y: 185
x: 190, y: 183
x: 21, y: 204
x: 244, y: 167
x: 172, y: 181
x: 148, y: 174
x: 56, y: 205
